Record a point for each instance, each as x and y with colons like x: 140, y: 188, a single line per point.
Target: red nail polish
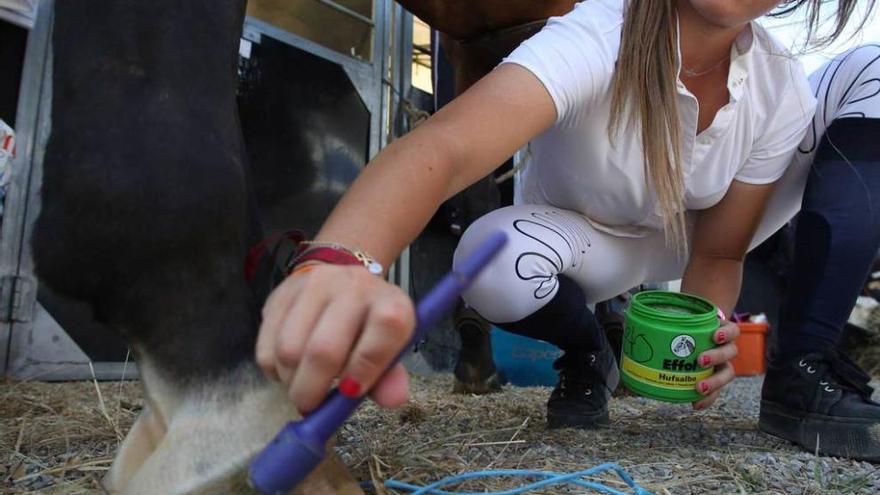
x: 350, y: 388
x: 721, y: 337
x: 704, y: 387
x: 704, y: 361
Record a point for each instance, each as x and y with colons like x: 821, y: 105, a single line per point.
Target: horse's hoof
x: 475, y: 372
x: 477, y: 387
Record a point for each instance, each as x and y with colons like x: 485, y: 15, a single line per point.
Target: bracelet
x: 302, y: 269
x: 335, y: 254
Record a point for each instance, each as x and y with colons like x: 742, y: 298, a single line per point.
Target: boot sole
x: 836, y: 436
x: 557, y: 420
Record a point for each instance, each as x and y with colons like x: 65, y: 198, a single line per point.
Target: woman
x: 657, y: 134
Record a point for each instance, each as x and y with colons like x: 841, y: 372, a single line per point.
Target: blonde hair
x: 644, y: 91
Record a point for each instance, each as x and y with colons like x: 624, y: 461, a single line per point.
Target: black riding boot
x: 587, y: 371
x: 586, y: 382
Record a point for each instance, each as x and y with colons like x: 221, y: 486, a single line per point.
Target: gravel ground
x: 668, y: 449
x: 59, y: 439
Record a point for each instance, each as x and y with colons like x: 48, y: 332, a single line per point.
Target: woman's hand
x: 336, y: 321
x: 719, y: 357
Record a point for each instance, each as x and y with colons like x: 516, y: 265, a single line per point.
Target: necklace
x: 690, y: 73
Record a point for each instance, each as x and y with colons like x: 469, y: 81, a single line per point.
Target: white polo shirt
x: 575, y: 166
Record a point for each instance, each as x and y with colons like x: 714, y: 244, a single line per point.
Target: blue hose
x: 550, y: 478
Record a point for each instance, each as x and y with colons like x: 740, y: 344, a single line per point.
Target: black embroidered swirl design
x: 548, y: 224
x: 845, y: 97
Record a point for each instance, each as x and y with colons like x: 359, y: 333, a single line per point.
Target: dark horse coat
x: 146, y: 216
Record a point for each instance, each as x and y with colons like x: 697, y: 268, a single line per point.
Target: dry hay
x: 60, y: 438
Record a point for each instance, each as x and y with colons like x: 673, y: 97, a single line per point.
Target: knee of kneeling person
x: 501, y: 293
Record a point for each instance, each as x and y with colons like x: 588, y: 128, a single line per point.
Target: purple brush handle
x: 299, y: 446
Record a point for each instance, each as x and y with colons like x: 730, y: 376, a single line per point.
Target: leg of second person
x: 539, y: 287
x: 813, y: 394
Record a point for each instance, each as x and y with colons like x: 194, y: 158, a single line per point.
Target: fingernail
x: 704, y: 387
x: 704, y: 361
x: 698, y: 407
x: 350, y: 388
x: 721, y: 337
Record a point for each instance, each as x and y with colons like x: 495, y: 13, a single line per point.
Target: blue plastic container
x: 523, y: 361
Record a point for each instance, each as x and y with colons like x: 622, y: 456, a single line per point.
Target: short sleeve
x: 572, y: 57
x: 775, y: 147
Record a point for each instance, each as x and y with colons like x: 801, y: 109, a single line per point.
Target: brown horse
x: 477, y: 35
x: 463, y: 20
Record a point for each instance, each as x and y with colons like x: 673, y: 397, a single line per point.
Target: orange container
x: 751, y: 344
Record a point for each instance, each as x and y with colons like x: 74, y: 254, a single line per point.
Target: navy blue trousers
x: 836, y: 238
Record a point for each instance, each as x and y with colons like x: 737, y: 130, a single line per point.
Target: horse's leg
x: 145, y: 217
x: 475, y: 371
